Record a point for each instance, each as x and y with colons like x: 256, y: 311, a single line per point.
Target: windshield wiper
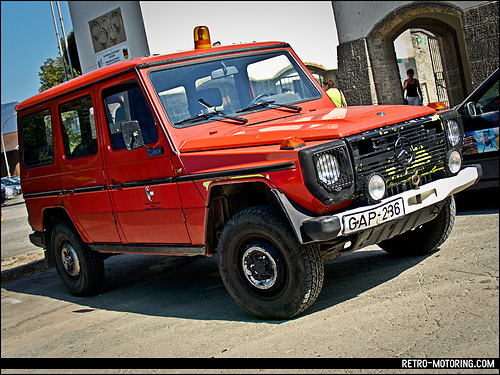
x: 213, y: 109
x: 202, y: 116
x: 215, y: 112
x: 199, y: 116
x: 270, y: 103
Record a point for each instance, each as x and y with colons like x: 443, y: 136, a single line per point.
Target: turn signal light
x: 292, y: 143
x: 437, y: 105
x: 202, y: 37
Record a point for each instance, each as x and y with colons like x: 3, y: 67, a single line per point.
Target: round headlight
x: 453, y: 131
x: 454, y: 161
x: 328, y: 169
x: 376, y: 187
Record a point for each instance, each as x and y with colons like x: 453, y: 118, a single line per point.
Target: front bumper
x: 310, y: 228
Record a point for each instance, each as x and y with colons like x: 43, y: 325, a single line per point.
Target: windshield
x: 230, y: 88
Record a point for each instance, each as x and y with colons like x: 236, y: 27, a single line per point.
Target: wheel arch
x: 227, y: 198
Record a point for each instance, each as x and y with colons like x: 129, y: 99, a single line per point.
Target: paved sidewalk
x: 19, y: 256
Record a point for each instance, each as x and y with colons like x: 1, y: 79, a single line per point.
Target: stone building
x: 465, y: 34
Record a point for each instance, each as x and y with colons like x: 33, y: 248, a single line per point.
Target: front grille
x: 375, y: 152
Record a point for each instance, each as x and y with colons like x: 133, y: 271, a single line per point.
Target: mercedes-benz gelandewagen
x: 234, y: 151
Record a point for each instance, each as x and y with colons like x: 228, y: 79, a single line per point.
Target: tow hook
x: 415, y: 180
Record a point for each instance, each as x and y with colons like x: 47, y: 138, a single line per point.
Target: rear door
x: 85, y: 195
x: 145, y: 198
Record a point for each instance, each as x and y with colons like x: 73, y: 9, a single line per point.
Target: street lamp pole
x: 3, y: 144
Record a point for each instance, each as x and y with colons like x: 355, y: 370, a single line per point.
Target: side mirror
x: 132, y: 135
x: 470, y: 109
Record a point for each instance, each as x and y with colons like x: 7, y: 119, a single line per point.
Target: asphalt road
x: 15, y: 229
x: 444, y: 305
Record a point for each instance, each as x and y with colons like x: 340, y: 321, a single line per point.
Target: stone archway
x: 368, y: 71
x: 443, y: 20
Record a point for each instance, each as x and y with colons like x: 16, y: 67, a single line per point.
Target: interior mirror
x: 470, y: 109
x: 132, y: 135
x: 224, y: 72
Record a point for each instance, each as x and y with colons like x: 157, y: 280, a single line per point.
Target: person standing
x: 334, y: 93
x: 412, y: 87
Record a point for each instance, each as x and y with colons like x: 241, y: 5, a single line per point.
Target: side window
x: 37, y: 141
x: 489, y: 101
x: 78, y: 127
x: 128, y: 104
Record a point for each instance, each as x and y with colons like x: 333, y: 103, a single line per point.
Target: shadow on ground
x: 191, y: 288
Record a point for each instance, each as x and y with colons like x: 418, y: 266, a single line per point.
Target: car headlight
x: 453, y: 161
x: 328, y: 168
x: 453, y: 131
x: 328, y: 172
x: 376, y: 187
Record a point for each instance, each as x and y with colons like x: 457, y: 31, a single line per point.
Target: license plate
x: 376, y: 216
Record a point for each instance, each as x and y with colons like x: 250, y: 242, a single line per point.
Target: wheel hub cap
x: 70, y: 260
x: 259, y: 267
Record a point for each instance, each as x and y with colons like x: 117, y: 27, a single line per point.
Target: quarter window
x: 78, y: 127
x: 37, y: 140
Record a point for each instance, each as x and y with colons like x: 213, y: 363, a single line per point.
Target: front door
x: 145, y: 198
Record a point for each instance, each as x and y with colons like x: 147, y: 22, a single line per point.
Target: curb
x: 25, y: 269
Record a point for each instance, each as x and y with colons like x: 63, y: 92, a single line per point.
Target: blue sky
x: 28, y: 38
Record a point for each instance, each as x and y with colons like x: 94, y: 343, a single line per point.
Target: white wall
x: 355, y: 19
x: 84, y: 11
x: 167, y: 26
x: 308, y: 26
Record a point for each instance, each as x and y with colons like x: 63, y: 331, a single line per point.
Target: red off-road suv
x: 234, y: 151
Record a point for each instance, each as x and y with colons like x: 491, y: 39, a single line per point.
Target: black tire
x: 80, y: 269
x: 283, y: 277
x: 427, y: 237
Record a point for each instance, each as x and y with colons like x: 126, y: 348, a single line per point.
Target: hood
x: 316, y: 125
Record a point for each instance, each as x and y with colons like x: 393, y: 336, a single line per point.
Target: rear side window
x: 37, y: 141
x: 78, y: 127
x: 127, y: 103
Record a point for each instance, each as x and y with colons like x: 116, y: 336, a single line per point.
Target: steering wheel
x: 256, y: 99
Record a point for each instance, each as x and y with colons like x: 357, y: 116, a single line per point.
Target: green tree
x: 52, y: 73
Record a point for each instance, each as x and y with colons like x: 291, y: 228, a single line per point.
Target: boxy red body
x: 176, y: 193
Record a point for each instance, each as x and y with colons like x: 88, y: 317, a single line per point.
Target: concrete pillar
x: 355, y: 77
x: 480, y: 25
x: 385, y: 71
x: 455, y: 83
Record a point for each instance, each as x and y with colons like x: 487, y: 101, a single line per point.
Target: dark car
x: 480, y: 117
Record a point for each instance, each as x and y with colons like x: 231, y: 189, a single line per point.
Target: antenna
x: 65, y: 40
x: 59, y: 41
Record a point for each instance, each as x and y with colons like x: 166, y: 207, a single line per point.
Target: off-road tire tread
x: 91, y: 263
x: 309, y: 253
x: 432, y: 235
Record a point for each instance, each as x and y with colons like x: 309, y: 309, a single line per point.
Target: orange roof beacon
x: 234, y: 150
